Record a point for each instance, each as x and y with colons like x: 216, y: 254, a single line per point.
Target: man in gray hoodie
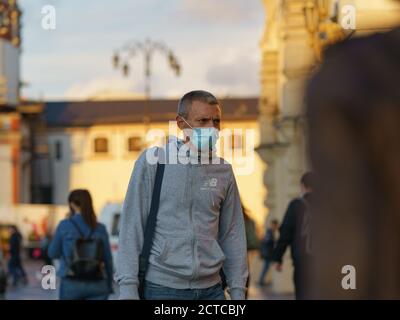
x: 200, y: 225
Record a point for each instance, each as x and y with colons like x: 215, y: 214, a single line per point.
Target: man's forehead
x: 200, y: 108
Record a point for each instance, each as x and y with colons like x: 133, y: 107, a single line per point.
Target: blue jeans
x: 71, y: 289
x: 16, y: 270
x: 154, y: 291
x: 264, y: 271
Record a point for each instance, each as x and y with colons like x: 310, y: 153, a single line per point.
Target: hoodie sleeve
x: 232, y: 239
x: 134, y: 213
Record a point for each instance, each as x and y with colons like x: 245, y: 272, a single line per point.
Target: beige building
x: 295, y: 33
x: 9, y: 98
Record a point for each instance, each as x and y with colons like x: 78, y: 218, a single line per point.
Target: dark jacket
x: 294, y: 231
x: 15, y: 245
x: 268, y: 244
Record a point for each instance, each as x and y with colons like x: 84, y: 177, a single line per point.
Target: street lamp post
x: 147, y: 48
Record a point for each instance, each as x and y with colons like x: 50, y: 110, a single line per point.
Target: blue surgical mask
x: 204, y: 139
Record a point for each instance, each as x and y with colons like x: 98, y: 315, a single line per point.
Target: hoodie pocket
x: 176, y: 257
x: 210, y: 256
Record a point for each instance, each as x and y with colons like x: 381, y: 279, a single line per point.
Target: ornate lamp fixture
x: 323, y: 28
x: 147, y: 48
x: 10, y: 15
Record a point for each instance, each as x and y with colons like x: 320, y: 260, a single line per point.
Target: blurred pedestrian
x: 15, y: 267
x: 267, y: 246
x: 82, y: 245
x: 295, y: 232
x: 253, y: 243
x: 3, y: 277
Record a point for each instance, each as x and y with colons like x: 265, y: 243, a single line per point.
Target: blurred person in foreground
x: 353, y: 111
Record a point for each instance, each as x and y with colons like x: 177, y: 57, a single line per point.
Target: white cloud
x: 235, y: 72
x: 100, y: 85
x: 221, y: 11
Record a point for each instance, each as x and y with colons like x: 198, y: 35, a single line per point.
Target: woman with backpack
x: 83, y: 247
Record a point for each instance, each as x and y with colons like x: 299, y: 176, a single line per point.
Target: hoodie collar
x: 188, y: 154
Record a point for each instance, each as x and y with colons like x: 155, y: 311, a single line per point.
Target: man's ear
x: 179, y: 121
x: 182, y: 125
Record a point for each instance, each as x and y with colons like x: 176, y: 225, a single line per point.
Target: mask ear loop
x: 187, y: 122
x: 187, y: 136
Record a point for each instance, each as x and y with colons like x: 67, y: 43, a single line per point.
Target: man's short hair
x: 185, y: 103
x: 308, y: 180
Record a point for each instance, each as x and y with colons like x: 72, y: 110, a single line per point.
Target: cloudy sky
x: 216, y: 42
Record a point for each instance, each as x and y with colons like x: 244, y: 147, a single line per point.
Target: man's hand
x: 278, y: 267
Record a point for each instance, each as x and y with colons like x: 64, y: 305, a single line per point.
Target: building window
x: 58, y: 150
x: 134, y: 144
x: 236, y: 141
x: 101, y: 145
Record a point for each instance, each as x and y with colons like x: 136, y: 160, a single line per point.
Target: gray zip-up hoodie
x: 200, y: 227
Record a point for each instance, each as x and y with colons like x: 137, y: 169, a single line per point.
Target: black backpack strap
x: 67, y: 260
x: 150, y: 227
